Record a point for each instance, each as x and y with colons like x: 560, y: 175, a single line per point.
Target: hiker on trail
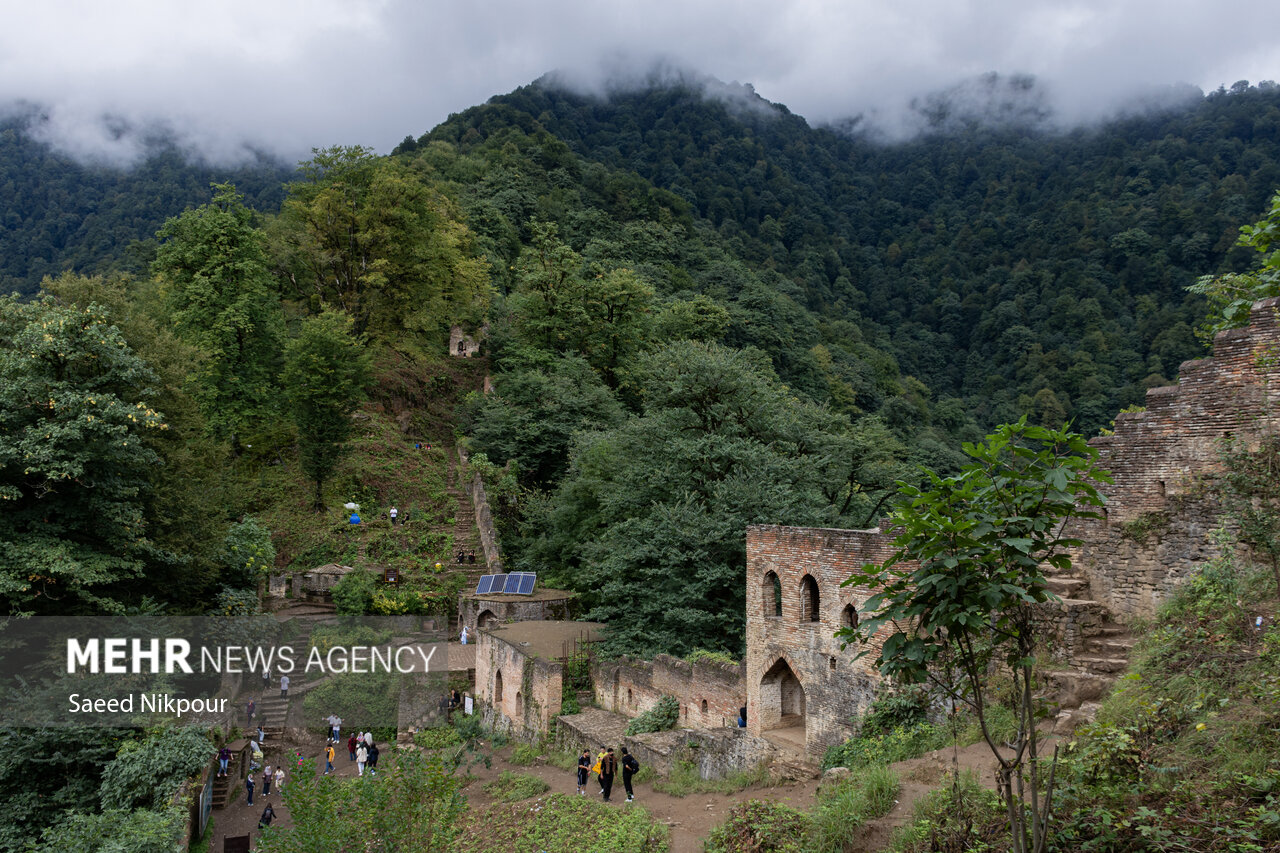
x: 224, y: 757
x: 394, y: 513
x: 268, y: 815
x: 248, y: 786
x: 373, y: 759
x: 584, y: 769
x: 608, y: 767
x: 266, y: 678
x: 328, y: 759
x: 284, y: 687
x: 249, y: 709
x: 629, y: 768
x: 279, y: 778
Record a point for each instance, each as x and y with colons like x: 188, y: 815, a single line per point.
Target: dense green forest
x: 698, y: 313
x: 58, y: 214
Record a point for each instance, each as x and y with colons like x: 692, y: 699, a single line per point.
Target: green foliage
x: 325, y: 376
x: 561, y: 822
x: 962, y: 816
x: 414, y: 803
x: 511, y: 787
x: 844, y: 807
x: 249, y: 553
x: 662, y: 717
x: 759, y: 827
x: 1231, y: 295
x: 74, y: 463
x: 145, y: 773
x: 115, y: 831
x: 977, y: 545
x: 525, y: 754
x: 887, y: 746
x: 705, y: 656
x: 1144, y: 525
x: 1250, y: 490
x: 370, y: 236
x: 215, y: 273
x: 353, y: 595
x: 437, y: 738
x: 366, y: 701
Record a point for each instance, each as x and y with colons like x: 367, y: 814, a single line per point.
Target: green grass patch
x: 961, y: 816
x: 525, y: 754
x: 844, y: 807
x: 440, y: 737
x: 510, y: 787
x: 684, y: 780
x: 560, y: 822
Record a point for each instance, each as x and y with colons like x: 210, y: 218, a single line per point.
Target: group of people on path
x: 605, y: 768
x: 360, y: 747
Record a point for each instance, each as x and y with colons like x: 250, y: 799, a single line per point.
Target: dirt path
x: 690, y: 818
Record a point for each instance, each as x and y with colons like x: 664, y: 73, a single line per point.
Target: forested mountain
x: 59, y: 214
x: 1013, y: 266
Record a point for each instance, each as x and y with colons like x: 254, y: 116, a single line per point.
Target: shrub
x: 898, y: 744
x: 353, y: 595
x: 662, y: 717
x: 757, y: 827
x: 701, y: 655
x: 843, y: 808
x: 510, y: 787
x: 437, y: 738
x: 525, y: 754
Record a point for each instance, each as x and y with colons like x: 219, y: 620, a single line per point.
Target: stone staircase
x: 1092, y: 652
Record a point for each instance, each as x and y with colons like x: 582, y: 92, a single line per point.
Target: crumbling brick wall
x: 517, y: 692
x: 1160, y: 514
x: 709, y: 693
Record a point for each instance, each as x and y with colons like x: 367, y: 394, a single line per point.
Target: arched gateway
x: 782, y: 700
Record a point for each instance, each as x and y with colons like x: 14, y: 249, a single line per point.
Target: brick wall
x: 473, y: 611
x: 794, y: 663
x: 529, y: 696
x: 710, y: 694
x: 1160, y: 518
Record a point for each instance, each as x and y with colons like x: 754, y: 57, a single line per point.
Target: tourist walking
x: 267, y: 775
x: 362, y: 756
x: 373, y: 759
x: 351, y: 747
x: 328, y: 759
x: 284, y: 687
x: 248, y: 786
x: 584, y: 770
x: 249, y: 709
x: 268, y: 815
x: 224, y: 757
x: 629, y: 768
x: 279, y: 779
x: 608, y: 767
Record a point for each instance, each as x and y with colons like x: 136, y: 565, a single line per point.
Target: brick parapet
x: 709, y: 693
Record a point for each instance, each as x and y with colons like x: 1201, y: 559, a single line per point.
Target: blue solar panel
x: 490, y: 584
x: 513, y: 583
x: 527, y: 582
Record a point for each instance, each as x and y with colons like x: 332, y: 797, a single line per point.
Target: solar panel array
x: 490, y: 584
x: 516, y: 583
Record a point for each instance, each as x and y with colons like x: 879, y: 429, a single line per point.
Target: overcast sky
x: 291, y: 75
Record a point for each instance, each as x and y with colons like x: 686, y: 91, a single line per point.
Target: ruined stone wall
x: 710, y: 694
x: 475, y: 611
x: 1160, y: 516
x: 794, y: 664
x: 517, y: 693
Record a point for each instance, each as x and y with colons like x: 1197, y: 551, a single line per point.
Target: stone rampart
x: 1160, y: 514
x: 709, y: 693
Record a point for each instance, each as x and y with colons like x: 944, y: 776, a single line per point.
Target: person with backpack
x: 608, y: 768
x: 268, y: 815
x: 629, y: 768
x: 584, y: 770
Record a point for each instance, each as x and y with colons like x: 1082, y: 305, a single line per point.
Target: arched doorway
x: 782, y: 703
x: 486, y: 619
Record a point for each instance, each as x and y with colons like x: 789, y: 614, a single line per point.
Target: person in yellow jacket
x: 595, y: 768
x: 328, y: 758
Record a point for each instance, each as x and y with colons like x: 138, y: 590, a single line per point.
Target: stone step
x: 1107, y: 665
x: 798, y: 771
x: 1070, y: 688
x: 1110, y: 646
x: 1066, y: 587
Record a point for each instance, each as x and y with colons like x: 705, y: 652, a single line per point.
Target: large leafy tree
x: 961, y: 596
x: 369, y: 235
x: 74, y: 463
x: 648, y: 522
x: 325, y: 376
x: 222, y: 299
